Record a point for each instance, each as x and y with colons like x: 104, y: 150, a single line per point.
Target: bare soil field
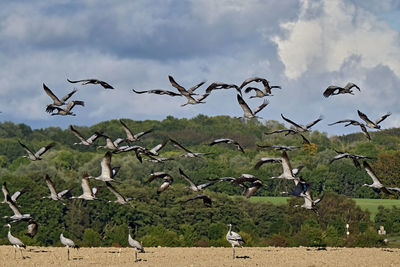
x: 266, y: 256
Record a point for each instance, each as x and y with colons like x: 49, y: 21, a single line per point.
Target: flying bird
x: 88, y: 193
x: 86, y: 142
x: 302, y: 128
x: 354, y: 158
x: 259, y: 93
x: 130, y: 137
x: 93, y: 81
x: 162, y: 175
x: 106, y: 170
x: 158, y: 92
x: 120, y: 199
x: 220, y: 85
x: 188, y: 93
x: 18, y: 216
x: 376, y: 184
x: 193, y: 186
x: 53, y: 193
x: 279, y: 148
x: 252, y: 188
x: 373, y: 124
x: 56, y: 100
x: 206, y: 199
x: 32, y: 228
x: 227, y: 141
x: 14, y: 196
x: 355, y: 123
x: 309, y: 203
x: 263, y: 160
x: 336, y: 90
x: 189, y: 154
x: 248, y: 113
x: 36, y: 156
x: 64, y: 111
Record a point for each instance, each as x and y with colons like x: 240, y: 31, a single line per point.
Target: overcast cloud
x: 304, y: 46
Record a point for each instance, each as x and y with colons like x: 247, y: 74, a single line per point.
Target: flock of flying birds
x: 248, y: 182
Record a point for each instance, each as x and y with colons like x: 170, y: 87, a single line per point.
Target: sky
x: 302, y: 45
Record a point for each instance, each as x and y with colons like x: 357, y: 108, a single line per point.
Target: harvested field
x: 267, y: 256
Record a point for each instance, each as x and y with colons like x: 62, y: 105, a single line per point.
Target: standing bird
x: 373, y: 124
x: 64, y: 111
x: 36, y: 156
x: 15, y: 242
x: 86, y: 142
x: 376, y: 183
x: 53, y: 193
x: 227, y: 141
x: 336, y: 90
x: 130, y: 137
x: 302, y: 128
x: 56, y: 100
x: 248, y: 113
x: 234, y: 239
x: 93, y: 81
x: 135, y: 244
x: 67, y: 242
x: 193, y: 186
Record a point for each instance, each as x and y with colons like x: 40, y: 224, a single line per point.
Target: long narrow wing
x: 138, y: 135
x: 106, y: 165
x: 180, y: 88
x: 187, y: 178
x: 382, y: 118
x: 50, y: 93
x: 176, y: 144
x: 27, y: 149
x: 42, y: 150
x: 76, y: 133
x: 364, y: 117
x: 330, y: 90
x: 287, y: 168
x: 50, y: 185
x: 194, y: 88
x: 291, y: 122
x: 350, y: 85
x: 115, y: 192
x: 261, y: 161
x: 311, y: 124
x: 128, y: 132
x: 247, y: 111
x: 263, y: 105
x: 364, y: 129
x: 72, y: 104
x: 66, y: 97
x: 371, y: 173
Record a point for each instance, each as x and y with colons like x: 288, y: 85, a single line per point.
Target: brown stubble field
x: 266, y: 256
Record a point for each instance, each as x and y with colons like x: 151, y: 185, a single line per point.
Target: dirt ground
x: 267, y: 256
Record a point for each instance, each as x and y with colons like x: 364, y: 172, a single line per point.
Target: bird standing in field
x: 15, y: 242
x: 337, y: 90
x: 234, y: 239
x: 36, y: 156
x: 137, y: 246
x: 93, y: 81
x: 67, y: 242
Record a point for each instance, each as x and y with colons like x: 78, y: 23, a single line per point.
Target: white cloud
x: 327, y: 33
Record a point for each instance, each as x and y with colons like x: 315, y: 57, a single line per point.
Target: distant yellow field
x: 267, y: 256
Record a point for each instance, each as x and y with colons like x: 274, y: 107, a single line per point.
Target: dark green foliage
x: 166, y: 219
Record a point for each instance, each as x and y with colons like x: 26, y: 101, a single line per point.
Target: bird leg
x: 22, y: 256
x: 136, y: 256
x: 233, y: 252
x: 68, y: 252
x: 15, y: 252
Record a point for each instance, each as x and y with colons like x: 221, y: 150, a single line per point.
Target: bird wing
x: 194, y: 88
x: 62, y: 193
x: 305, y: 140
x: 192, y: 185
x: 350, y: 85
x: 202, y: 186
x: 364, y: 129
x: 115, y: 192
x: 314, y: 122
x: 291, y: 122
x: 72, y: 104
x: 17, y: 194
x: 50, y: 185
x: 221, y: 140
x: 50, y: 93
x: 181, y: 89
x: 382, y: 118
x: 27, y: 149
x: 13, y: 206
x: 176, y: 144
x: 266, y: 160
x: 364, y: 117
x: 128, y: 132
x: 106, y: 165
x: 138, y: 135
x: 371, y: 173
x: 43, y: 150
x: 287, y: 168
x: 250, y: 80
x: 77, y: 81
x: 234, y: 237
x: 330, y: 90
x: 157, y: 148
x: 77, y: 134
x: 344, y: 121
x: 247, y: 111
x: 93, y: 138
x: 87, y: 190
x: 5, y: 191
x: 105, y: 85
x: 66, y: 97
x: 263, y: 105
